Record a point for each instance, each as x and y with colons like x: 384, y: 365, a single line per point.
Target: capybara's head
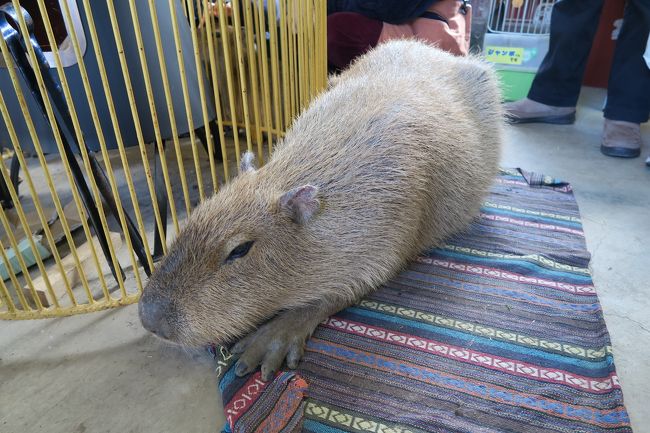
x: 233, y: 264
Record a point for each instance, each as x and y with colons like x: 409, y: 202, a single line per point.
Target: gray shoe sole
x: 620, y: 152
x: 565, y: 119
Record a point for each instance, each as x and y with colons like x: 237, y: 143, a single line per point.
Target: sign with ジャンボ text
x: 504, y: 55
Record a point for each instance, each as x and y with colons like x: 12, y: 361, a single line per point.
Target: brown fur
x: 401, y: 151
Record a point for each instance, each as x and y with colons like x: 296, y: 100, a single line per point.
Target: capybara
x: 393, y: 158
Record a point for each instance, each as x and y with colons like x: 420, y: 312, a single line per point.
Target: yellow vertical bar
x: 79, y: 135
x: 37, y: 147
x: 317, y: 44
x: 320, y: 31
x: 286, y: 64
x: 12, y: 276
x: 263, y: 87
x: 297, y: 85
x: 186, y: 95
x: 120, y: 145
x: 253, y: 70
x: 13, y: 243
x: 154, y: 114
x: 185, y: 7
x: 306, y: 36
x: 215, y: 84
x: 293, y: 63
x: 84, y: 153
x: 28, y: 235
x: 229, y: 78
x: 301, y: 76
x: 18, y: 206
x: 305, y: 52
x: 314, y: 20
x: 4, y: 292
x: 264, y: 62
x: 311, y: 48
x: 323, y: 43
x: 275, y: 73
x: 102, y: 141
x: 290, y: 83
x: 170, y: 103
x: 138, y: 127
x: 310, y: 45
x: 201, y: 37
x: 243, y: 82
x: 202, y: 94
x: 25, y: 224
x: 306, y: 17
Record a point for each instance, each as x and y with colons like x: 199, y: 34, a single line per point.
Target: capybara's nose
x: 153, y: 315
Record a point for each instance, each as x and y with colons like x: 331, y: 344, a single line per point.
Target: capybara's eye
x: 239, y: 251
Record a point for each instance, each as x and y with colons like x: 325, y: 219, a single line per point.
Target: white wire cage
x: 524, y: 17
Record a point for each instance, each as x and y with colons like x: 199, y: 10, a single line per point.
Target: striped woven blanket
x: 498, y: 331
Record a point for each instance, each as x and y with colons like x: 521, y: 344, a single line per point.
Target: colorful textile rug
x: 498, y: 331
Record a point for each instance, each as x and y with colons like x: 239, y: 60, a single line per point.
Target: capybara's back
x: 393, y: 158
x: 412, y: 147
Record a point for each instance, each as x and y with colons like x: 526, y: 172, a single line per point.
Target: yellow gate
x: 118, y: 117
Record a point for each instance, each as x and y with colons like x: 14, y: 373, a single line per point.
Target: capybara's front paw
x: 270, y: 345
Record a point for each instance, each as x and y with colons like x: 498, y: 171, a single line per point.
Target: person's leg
x: 573, y: 27
x: 556, y: 87
x: 349, y: 35
x: 628, y: 91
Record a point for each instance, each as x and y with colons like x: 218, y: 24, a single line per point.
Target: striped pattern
x: 498, y: 331
x: 256, y: 406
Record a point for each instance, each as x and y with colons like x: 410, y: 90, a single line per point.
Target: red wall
x: 602, y: 51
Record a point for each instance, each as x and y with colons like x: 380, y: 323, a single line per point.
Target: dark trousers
x: 573, y: 27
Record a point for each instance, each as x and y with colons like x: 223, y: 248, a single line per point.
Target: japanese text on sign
x: 504, y: 55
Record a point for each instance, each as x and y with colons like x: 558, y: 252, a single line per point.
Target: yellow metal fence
x: 116, y: 114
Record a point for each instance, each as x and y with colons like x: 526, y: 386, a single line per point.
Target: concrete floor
x: 102, y: 373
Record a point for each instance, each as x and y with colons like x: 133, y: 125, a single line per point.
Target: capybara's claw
x: 241, y: 369
x: 241, y: 345
x: 269, y: 346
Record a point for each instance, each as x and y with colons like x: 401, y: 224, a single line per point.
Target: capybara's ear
x: 300, y: 203
x: 247, y: 163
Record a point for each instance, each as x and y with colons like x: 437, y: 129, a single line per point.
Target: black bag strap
x: 436, y: 16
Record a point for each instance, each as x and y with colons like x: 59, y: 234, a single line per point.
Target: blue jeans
x: 573, y: 26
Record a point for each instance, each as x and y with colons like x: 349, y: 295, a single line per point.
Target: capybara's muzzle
x: 154, y: 314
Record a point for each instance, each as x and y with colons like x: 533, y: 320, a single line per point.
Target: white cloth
x: 646, y: 56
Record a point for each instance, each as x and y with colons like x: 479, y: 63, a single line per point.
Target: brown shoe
x: 529, y: 111
x: 621, y: 139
